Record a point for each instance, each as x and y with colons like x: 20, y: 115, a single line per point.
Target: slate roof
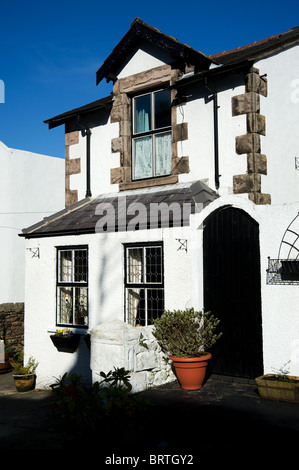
x: 87, y: 216
x: 258, y: 49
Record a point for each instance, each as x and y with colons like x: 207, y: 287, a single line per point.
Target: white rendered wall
x: 280, y: 311
x: 145, y: 58
x: 106, y: 292
x: 199, y: 146
x: 102, y: 160
x: 281, y: 108
x: 32, y: 187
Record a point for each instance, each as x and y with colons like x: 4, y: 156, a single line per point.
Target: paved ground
x: 223, y: 418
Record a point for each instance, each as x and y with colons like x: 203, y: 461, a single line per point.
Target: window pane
x: 65, y: 303
x: 153, y: 265
x: 143, y: 165
x: 163, y: 148
x: 142, y: 114
x: 81, y: 306
x: 65, y: 266
x: 134, y: 266
x: 80, y: 268
x: 162, y: 109
x: 155, y: 304
x: 135, y: 306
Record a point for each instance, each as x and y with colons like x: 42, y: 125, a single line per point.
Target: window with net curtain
x: 144, y: 283
x: 72, y: 286
x: 152, y: 149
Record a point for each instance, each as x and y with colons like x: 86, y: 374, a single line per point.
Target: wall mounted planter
x: 273, y: 388
x: 191, y: 371
x: 66, y: 343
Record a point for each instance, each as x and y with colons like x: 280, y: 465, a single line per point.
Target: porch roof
x: 127, y: 211
x: 86, y: 110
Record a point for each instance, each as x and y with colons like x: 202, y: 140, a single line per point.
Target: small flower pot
x: 5, y: 364
x: 66, y: 343
x: 191, y: 371
x: 24, y: 383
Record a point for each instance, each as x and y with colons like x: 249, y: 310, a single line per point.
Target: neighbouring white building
x: 181, y: 190
x: 32, y: 187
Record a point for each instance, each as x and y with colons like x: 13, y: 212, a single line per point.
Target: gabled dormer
x: 140, y: 33
x: 143, y: 67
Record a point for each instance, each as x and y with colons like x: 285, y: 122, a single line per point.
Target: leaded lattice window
x: 144, y: 284
x: 72, y: 286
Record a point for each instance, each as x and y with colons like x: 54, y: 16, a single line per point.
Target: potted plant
x: 187, y: 337
x: 279, y: 386
x: 4, y: 357
x: 65, y: 340
x: 23, y: 374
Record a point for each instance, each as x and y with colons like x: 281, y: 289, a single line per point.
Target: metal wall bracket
x: 183, y: 244
x: 34, y: 251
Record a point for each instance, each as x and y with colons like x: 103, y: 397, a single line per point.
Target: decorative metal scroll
x: 285, y: 269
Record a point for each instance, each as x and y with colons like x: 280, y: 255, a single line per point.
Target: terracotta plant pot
x: 191, y: 372
x: 24, y: 383
x: 272, y: 387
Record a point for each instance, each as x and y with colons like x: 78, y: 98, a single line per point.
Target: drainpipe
x: 88, y: 190
x: 87, y: 132
x: 216, y: 147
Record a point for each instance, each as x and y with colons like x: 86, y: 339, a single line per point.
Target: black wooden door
x: 232, y: 291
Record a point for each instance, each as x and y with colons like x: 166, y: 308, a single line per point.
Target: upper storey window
x: 152, y: 148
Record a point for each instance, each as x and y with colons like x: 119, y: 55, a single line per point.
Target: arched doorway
x: 232, y: 290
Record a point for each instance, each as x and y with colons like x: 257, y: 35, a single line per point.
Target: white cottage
x: 182, y: 189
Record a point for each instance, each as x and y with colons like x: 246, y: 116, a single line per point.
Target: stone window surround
x: 123, y: 90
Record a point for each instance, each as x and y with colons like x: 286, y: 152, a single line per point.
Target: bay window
x: 152, y: 142
x: 72, y: 286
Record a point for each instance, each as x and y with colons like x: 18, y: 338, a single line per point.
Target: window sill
x: 148, y: 183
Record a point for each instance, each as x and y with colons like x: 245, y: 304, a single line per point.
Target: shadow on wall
x: 82, y: 364
x: 102, y: 306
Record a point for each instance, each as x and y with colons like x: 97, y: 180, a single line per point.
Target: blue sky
x: 50, y: 51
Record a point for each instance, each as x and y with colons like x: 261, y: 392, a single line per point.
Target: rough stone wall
x: 12, y: 325
x: 250, y: 143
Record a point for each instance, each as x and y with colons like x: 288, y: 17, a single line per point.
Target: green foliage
x: 117, y: 378
x: 103, y: 412
x: 186, y: 333
x: 19, y: 368
x: 282, y: 373
x: 142, y: 343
